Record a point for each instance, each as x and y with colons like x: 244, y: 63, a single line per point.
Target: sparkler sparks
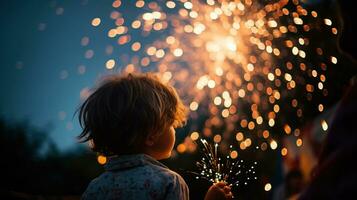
x: 231, y: 170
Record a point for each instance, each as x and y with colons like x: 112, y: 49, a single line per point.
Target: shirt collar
x: 122, y: 162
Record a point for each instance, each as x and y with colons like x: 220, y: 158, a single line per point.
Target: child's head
x: 130, y: 114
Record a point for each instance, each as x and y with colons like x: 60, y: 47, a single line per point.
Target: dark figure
x: 292, y: 186
x: 335, y: 176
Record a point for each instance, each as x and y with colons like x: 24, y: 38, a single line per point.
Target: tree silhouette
x: 32, y: 167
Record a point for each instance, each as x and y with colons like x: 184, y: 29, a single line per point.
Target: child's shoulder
x: 154, y: 168
x: 138, y: 168
x: 137, y: 178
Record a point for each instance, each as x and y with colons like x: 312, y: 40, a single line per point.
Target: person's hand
x: 219, y: 191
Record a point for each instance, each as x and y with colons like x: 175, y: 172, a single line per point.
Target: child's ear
x: 150, y: 139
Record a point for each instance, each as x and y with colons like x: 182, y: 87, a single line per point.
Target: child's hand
x: 219, y: 191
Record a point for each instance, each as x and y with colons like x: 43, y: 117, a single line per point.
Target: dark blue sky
x: 40, y: 59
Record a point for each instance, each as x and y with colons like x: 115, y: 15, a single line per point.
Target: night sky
x: 43, y: 62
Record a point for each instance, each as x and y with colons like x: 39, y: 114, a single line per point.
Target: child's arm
x: 219, y: 191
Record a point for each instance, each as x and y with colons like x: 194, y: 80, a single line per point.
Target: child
x: 131, y: 120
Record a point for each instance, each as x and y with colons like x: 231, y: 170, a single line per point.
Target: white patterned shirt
x: 138, y: 177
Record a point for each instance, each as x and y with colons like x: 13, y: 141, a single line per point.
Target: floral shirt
x: 138, y: 177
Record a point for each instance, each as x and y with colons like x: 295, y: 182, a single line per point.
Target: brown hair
x: 125, y: 109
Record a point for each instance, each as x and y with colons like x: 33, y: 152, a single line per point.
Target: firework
x: 249, y: 63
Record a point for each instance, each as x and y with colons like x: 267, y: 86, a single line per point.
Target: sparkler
x: 214, y: 169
